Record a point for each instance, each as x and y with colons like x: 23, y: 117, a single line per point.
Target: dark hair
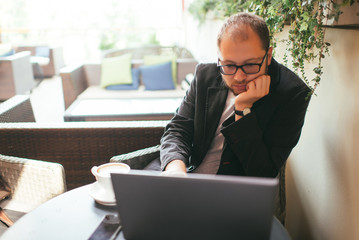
x: 232, y: 26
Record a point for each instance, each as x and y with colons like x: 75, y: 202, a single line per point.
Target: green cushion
x: 116, y: 70
x: 157, y: 59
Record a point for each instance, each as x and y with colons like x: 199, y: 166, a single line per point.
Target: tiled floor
x: 47, y: 100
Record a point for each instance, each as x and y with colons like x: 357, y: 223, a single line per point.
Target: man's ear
x: 269, y: 55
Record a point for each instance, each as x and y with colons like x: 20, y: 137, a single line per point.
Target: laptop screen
x: 199, y: 206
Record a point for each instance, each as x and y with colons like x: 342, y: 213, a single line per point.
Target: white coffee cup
x: 103, y: 172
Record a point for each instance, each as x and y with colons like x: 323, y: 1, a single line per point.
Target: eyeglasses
x: 249, y: 68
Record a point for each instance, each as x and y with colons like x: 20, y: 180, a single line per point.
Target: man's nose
x: 240, y: 75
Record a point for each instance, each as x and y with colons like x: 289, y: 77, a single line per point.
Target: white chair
x: 32, y: 182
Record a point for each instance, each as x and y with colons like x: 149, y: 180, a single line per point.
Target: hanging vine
x: 307, y: 18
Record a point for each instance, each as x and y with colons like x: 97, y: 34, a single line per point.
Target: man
x: 206, y: 136
x: 241, y: 116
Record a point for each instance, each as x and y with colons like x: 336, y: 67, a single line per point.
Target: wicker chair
x: 78, y: 146
x: 17, y: 109
x: 141, y: 158
x: 31, y: 182
x: 54, y: 55
x: 16, y: 75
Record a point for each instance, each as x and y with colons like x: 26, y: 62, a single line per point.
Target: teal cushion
x: 157, y: 77
x: 157, y: 59
x: 116, y: 70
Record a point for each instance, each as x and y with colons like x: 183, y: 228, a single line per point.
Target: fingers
x: 251, y: 86
x: 256, y: 89
x: 261, y: 85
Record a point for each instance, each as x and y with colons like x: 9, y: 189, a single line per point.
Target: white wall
x: 323, y: 170
x: 201, y: 40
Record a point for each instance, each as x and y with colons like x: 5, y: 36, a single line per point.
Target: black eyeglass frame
x: 241, y: 66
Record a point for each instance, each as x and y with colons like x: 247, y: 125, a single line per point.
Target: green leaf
x: 317, y: 70
x: 305, y: 16
x: 303, y: 27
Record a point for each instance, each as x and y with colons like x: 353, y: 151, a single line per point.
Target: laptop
x: 199, y: 206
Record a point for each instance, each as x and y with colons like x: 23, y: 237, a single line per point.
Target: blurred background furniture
x: 32, y: 183
x: 6, y: 49
x: 122, y: 109
x: 83, y: 82
x: 17, y: 109
x: 49, y: 58
x: 140, y: 52
x: 78, y: 146
x: 16, y: 75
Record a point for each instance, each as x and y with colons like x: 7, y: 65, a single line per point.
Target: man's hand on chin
x: 256, y: 89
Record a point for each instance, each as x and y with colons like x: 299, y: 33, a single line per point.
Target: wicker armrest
x: 56, y: 62
x: 74, y: 82
x: 138, y: 159
x: 17, y: 109
x: 32, y: 182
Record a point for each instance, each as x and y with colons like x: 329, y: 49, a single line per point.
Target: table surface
x: 75, y: 215
x: 121, y: 108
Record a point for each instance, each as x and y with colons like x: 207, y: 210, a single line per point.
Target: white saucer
x: 99, y: 194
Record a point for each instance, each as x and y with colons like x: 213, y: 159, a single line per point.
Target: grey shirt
x: 211, y: 161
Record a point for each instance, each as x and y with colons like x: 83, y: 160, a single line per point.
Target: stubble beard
x: 224, y: 83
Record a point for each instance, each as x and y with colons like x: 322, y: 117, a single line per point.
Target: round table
x: 75, y: 215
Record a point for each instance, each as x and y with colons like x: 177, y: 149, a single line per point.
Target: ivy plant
x: 307, y: 18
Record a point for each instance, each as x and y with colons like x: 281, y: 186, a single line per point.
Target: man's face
x: 239, y: 52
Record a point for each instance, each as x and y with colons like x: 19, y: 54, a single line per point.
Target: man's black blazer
x: 259, y: 143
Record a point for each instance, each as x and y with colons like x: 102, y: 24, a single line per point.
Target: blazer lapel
x: 216, y: 99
